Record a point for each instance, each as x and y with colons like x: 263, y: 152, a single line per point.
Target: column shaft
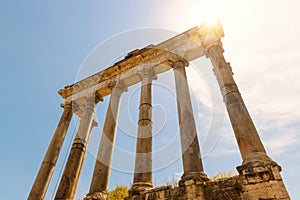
x: 143, y: 160
x: 44, y: 175
x: 245, y: 132
x: 70, y: 177
x: 104, y: 158
x: 191, y: 157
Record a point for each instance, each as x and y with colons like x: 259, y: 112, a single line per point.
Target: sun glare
x: 209, y: 19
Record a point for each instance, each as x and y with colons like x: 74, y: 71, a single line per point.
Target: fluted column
x: 99, y: 184
x: 191, y: 157
x: 143, y: 160
x: 44, y: 175
x: 250, y: 145
x: 70, y: 177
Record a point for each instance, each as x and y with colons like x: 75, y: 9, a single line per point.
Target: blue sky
x: 45, y: 43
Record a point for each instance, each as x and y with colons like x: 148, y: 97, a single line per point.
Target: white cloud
x: 267, y: 122
x: 279, y: 144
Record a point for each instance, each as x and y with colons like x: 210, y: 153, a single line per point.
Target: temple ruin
x: 258, y: 175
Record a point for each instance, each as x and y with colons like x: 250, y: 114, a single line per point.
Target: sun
x: 210, y: 20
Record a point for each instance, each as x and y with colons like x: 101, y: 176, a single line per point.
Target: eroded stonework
x: 261, y: 185
x: 259, y: 176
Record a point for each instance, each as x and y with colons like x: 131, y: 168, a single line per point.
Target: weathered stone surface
x: 44, y: 175
x: 262, y: 181
x: 245, y: 132
x: 259, y: 176
x: 70, y: 177
x: 143, y: 161
x: 233, y: 188
x: 96, y: 196
x: 226, y: 188
x: 104, y: 158
x: 187, y: 44
x: 191, y: 157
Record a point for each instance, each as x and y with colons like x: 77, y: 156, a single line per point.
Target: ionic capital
x: 70, y: 105
x: 118, y: 86
x: 94, y: 98
x: 147, y: 73
x: 174, y: 62
x: 218, y: 44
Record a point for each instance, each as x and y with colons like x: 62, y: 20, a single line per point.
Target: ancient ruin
x: 259, y: 176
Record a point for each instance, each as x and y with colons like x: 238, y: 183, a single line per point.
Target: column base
x: 195, y: 176
x: 139, y: 187
x: 260, y: 158
x: 258, y: 167
x: 96, y: 196
x: 260, y: 177
x: 257, y: 171
x: 193, y: 185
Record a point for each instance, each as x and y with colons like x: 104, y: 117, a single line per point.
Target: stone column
x: 257, y: 170
x: 250, y: 145
x: 191, y: 157
x: 44, y: 175
x: 99, y: 184
x: 143, y: 161
x: 70, y: 177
